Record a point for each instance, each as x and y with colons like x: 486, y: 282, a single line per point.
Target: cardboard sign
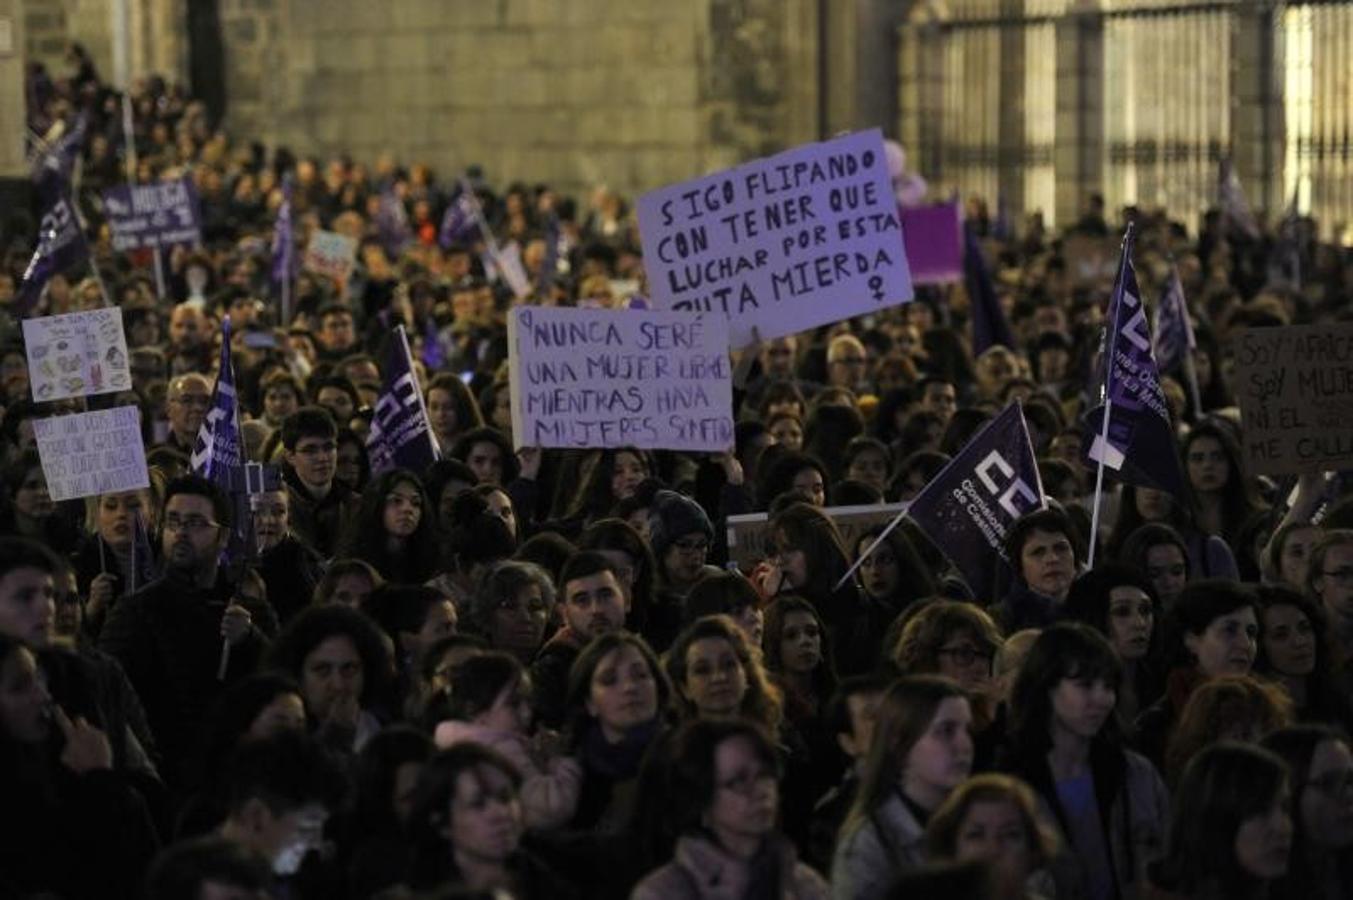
x: 92, y: 453
x: 157, y: 215
x: 77, y: 354
x: 1295, y: 387
x: 934, y: 236
x: 619, y: 378
x: 790, y: 242
x: 749, y: 534
x: 330, y: 254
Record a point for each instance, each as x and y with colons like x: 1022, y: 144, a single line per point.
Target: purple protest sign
x: 157, y: 215
x: 781, y: 244
x: 934, y: 243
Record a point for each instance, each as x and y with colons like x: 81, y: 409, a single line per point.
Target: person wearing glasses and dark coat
x: 183, y: 638
x: 320, y: 505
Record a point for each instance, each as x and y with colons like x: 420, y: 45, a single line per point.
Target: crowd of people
x: 534, y: 674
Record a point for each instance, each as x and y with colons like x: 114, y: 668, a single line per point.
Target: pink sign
x: 934, y: 242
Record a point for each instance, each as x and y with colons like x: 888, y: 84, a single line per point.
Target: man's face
x: 314, y: 460
x: 189, y: 397
x: 336, y: 332
x: 28, y: 605
x: 192, y: 537
x: 777, y: 357
x: 594, y: 604
x: 940, y: 399
x: 187, y: 328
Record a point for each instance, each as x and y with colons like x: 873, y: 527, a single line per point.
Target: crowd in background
x: 534, y: 672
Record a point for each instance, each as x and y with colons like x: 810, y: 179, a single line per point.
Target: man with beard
x: 184, y: 637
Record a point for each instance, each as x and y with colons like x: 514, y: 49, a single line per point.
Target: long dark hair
x: 1296, y: 746
x: 824, y: 676
x: 802, y: 526
x: 914, y: 578
x: 594, y: 499
x: 1239, y: 497
x: 366, y: 537
x: 580, y: 721
x: 373, y: 811
x: 1062, y: 651
x: 1222, y: 787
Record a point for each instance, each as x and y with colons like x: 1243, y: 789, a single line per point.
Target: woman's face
x: 800, y: 643
x: 750, y: 621
x: 485, y: 822
x: 788, y: 432
x: 486, y: 461
x: 626, y: 474
x: 994, y: 832
x: 32, y: 499
x: 1295, y: 559
x: 1208, y: 465
x: 879, y: 571
x: 1289, y: 641
x: 1227, y: 645
x: 746, y: 794
x: 942, y: 758
x: 511, y: 709
x: 623, y: 693
x: 1264, y: 841
x: 871, y: 467
x: 279, y: 402
x: 518, y: 624
x: 809, y: 485
x: 1153, y: 505
x: 966, y: 660
x: 1168, y: 570
x: 349, y: 466
x: 285, y: 712
x: 1327, y: 799
x: 500, y: 504
x: 25, y: 705
x: 1081, y: 706
x: 403, y: 510
x: 442, y: 411
x: 270, y: 517
x: 684, y: 559
x: 351, y: 590
x: 793, y: 565
x: 715, y: 682
x: 118, y: 514
x: 1131, y: 618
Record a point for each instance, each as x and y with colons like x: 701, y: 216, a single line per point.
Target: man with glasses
x: 320, y: 506
x: 186, y: 406
x: 181, y: 639
x: 848, y: 364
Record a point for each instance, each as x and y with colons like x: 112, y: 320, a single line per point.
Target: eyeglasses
x: 196, y: 400
x: 1342, y: 577
x: 1333, y: 784
x: 318, y: 449
x: 965, y: 655
x: 692, y: 545
x: 191, y: 523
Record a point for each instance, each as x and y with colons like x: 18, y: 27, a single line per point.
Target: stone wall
x: 630, y: 93
x: 50, y: 24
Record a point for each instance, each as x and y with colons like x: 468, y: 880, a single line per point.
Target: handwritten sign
x: 1296, y: 397
x: 92, y: 453
x: 153, y: 215
x: 618, y: 378
x: 796, y: 240
x: 77, y: 354
x: 749, y: 534
x: 330, y: 254
x: 934, y: 242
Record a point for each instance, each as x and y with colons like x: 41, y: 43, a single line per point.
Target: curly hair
x: 316, y: 624
x: 942, y: 830
x: 762, y: 702
x: 1227, y: 706
x: 917, y: 649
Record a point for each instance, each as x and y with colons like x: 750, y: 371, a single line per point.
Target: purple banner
x: 400, y: 435
x: 163, y: 214
x: 968, y: 508
x: 934, y: 243
x: 781, y: 244
x: 61, y: 243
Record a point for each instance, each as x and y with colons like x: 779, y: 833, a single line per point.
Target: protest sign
x: 1296, y: 397
x: 748, y: 534
x: 92, y: 453
x: 620, y: 378
x: 934, y: 237
x: 153, y: 215
x: 330, y: 254
x: 77, y: 354
x: 782, y: 244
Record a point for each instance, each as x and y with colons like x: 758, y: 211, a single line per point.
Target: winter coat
x: 871, y: 856
x: 549, y: 792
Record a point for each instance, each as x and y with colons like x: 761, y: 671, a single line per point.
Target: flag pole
x: 422, y: 410
x: 1109, y: 347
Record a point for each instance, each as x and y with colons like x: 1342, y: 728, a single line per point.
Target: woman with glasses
x: 680, y: 533
x: 725, y: 801
x: 512, y: 608
x: 394, y: 529
x: 1109, y: 803
x: 1322, y: 811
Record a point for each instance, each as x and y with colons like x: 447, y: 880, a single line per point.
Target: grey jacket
x: 870, y: 856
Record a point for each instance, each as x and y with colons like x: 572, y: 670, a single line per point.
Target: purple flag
x: 61, y: 243
x: 434, y: 354
x: 1141, y: 445
x: 284, y: 240
x: 934, y: 242
x: 392, y: 223
x: 219, y: 447
x: 989, y: 326
x: 164, y: 214
x: 1173, y: 337
x: 969, y: 507
x: 65, y: 150
x: 400, y: 434
x: 460, y: 222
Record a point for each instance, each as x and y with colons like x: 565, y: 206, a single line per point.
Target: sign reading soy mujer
x: 796, y: 240
x: 619, y: 378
